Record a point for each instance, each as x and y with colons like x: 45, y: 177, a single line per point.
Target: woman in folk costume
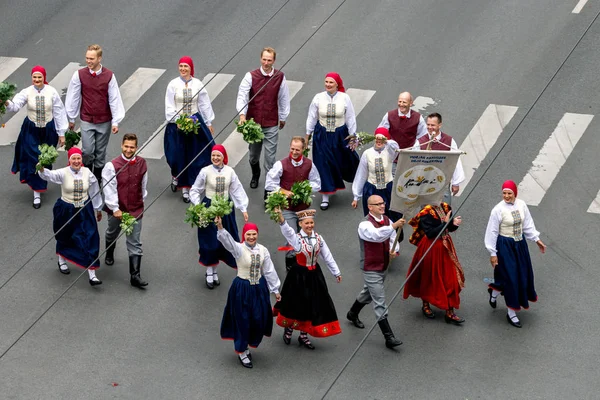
x: 439, y: 278
x: 306, y: 305
x: 331, y: 119
x: 218, y: 179
x: 509, y: 225
x: 77, y: 239
x: 46, y: 122
x: 187, y: 95
x: 248, y: 315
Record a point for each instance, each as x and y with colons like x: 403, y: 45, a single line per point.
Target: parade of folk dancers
x: 323, y: 159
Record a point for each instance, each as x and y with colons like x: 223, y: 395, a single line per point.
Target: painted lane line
x: 360, y: 98
x: 155, y: 148
x: 8, y: 65
x: 595, y: 206
x: 483, y: 137
x: 137, y: 84
x: 10, y: 132
x: 552, y: 157
x: 422, y: 102
x: 579, y: 6
x: 235, y: 145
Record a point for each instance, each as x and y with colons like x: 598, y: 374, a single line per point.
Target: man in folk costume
x: 376, y: 234
x: 438, y: 140
x: 405, y: 125
x: 283, y: 175
x: 125, y: 179
x: 435, y: 274
x: 264, y: 95
x: 94, y: 96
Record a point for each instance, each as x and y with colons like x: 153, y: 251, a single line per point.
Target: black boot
x: 134, y: 271
x: 390, y: 340
x: 98, y: 175
x: 255, y: 175
x: 266, y: 194
x: 109, y: 256
x: 353, y: 314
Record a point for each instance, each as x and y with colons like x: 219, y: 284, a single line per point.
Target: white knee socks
x: 325, y: 198
x: 209, y: 274
x: 512, y: 313
x: 92, y: 273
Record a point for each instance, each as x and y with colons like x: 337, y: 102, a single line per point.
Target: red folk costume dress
x: 440, y: 278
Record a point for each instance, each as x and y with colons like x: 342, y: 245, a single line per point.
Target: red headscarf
x: 383, y: 131
x: 220, y: 149
x: 248, y: 226
x: 338, y: 79
x: 41, y: 70
x: 187, y: 60
x: 510, y: 185
x: 72, y: 151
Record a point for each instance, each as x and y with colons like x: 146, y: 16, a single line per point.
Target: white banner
x: 422, y: 177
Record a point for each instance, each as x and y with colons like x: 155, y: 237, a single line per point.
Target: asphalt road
x: 61, y: 341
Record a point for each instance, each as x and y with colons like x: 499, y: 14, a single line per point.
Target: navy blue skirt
x: 210, y: 249
x: 248, y: 315
x: 78, y: 242
x: 181, y: 148
x: 513, y: 276
x: 27, y: 152
x: 335, y: 162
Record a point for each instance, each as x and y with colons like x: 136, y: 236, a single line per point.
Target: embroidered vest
x: 309, y: 251
x: 375, y: 256
x: 129, y: 185
x: 263, y: 106
x: 404, y: 131
x: 75, y: 190
x: 512, y: 222
x: 292, y: 174
x: 217, y: 182
x: 332, y: 111
x: 39, y: 106
x: 379, y: 168
x: 95, y: 108
x: 249, y: 265
x: 184, y: 97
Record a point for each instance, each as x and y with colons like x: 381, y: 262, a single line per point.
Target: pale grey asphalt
x: 164, y: 343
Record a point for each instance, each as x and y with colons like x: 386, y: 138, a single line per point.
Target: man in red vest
x: 294, y: 168
x: 264, y: 96
x: 125, y: 179
x: 94, y: 96
x: 376, y: 235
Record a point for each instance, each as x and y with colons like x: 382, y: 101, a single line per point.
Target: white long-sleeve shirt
x: 267, y: 268
x: 236, y: 190
x: 294, y: 241
x: 273, y: 178
x: 111, y: 196
x: 73, y: 99
x: 59, y: 113
x: 501, y: 216
x: 459, y: 173
x: 200, y: 103
x: 57, y: 176
x: 369, y: 233
x: 421, y: 129
x: 283, y: 96
x: 337, y: 98
x: 362, y: 173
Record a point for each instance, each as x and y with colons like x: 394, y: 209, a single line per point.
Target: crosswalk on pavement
x: 477, y: 145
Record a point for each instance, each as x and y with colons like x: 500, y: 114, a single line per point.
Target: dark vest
x: 404, y: 131
x: 437, y: 145
x: 293, y: 174
x: 129, y: 185
x: 263, y: 108
x: 375, y: 256
x: 95, y: 108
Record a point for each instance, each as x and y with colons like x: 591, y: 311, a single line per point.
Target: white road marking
x: 137, y: 84
x: 360, y: 98
x: 579, y: 6
x: 422, y: 102
x: 552, y: 157
x: 154, y: 146
x: 10, y: 132
x: 8, y: 65
x: 482, y: 138
x: 235, y: 145
x: 595, y: 206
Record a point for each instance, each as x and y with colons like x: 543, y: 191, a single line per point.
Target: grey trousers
x: 134, y: 242
x: 270, y: 143
x: 292, y: 220
x: 373, y: 291
x: 448, y: 195
x: 94, y: 141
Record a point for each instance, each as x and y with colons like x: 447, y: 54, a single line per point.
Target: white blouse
x: 235, y: 190
x: 57, y: 109
x: 190, y: 98
x: 368, y: 169
x: 509, y: 220
x: 58, y: 176
x: 331, y: 112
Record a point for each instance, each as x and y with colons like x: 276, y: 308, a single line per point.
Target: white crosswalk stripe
x: 8, y: 65
x: 422, y: 102
x: 10, y: 132
x: 552, y: 157
x: 154, y: 146
x: 595, y: 206
x: 137, y: 84
x: 483, y: 137
x: 360, y: 98
x: 235, y: 145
